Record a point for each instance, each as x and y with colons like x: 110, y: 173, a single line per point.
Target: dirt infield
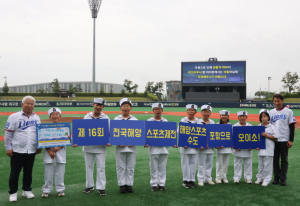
x: 63, y: 119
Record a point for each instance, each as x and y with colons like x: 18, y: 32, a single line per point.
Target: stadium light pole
x: 269, y: 78
x: 94, y: 6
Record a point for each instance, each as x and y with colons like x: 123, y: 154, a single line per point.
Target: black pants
x: 281, y: 151
x: 17, y: 162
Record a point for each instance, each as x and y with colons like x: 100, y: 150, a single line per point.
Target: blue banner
x: 88, y: 132
x: 219, y: 135
x: 248, y: 137
x: 123, y: 132
x: 192, y: 135
x: 161, y: 134
x: 53, y: 135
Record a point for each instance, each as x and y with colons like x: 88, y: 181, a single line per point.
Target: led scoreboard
x: 213, y: 73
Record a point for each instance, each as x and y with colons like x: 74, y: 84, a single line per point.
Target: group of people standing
x: 20, y: 143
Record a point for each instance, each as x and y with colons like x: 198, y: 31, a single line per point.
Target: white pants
x: 205, y: 163
x: 89, y: 169
x: 158, y: 164
x: 222, y: 166
x: 238, y: 167
x: 189, y: 166
x: 125, y: 167
x: 265, y: 169
x: 57, y: 169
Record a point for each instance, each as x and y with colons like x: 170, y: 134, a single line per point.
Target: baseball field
x: 176, y: 194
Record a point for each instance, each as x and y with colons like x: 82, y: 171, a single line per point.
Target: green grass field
x: 176, y: 194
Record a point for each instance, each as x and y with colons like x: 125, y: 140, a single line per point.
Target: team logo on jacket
x: 278, y: 117
x: 294, y: 119
x: 25, y: 124
x: 7, y: 125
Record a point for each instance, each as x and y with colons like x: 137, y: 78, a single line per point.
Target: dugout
x: 214, y: 81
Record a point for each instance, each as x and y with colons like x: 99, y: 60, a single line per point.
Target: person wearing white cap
x: 242, y: 154
x: 158, y: 155
x: 205, y: 155
x: 223, y: 153
x: 96, y: 153
x: 189, y: 155
x: 125, y: 154
x: 265, y: 156
x: 54, y: 162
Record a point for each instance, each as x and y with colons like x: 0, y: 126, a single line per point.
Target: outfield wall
x: 148, y: 104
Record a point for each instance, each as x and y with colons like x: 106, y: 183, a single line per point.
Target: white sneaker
x: 218, y: 181
x: 236, y: 181
x: 45, y: 194
x: 13, y: 197
x: 210, y: 182
x: 28, y: 194
x: 60, y: 194
x: 225, y: 180
x: 264, y: 184
x: 248, y: 181
x: 258, y: 181
x: 200, y: 183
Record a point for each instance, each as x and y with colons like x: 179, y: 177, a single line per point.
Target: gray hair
x: 28, y: 97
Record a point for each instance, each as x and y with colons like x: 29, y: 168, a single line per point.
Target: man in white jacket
x: 21, y: 147
x: 97, y: 152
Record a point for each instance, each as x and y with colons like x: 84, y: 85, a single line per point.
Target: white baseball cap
x: 157, y: 105
x: 124, y: 100
x: 264, y: 110
x: 206, y: 107
x: 242, y: 113
x: 191, y: 106
x: 224, y: 112
x: 99, y: 101
x: 54, y: 109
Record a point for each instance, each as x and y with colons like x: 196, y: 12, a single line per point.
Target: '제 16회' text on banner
x: 89, y: 132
